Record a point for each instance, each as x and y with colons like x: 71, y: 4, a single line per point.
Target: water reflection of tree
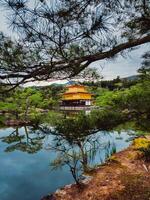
x: 29, y: 140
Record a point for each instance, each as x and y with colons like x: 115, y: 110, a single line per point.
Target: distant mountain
x: 67, y: 82
x: 45, y: 83
x: 131, y: 78
x: 52, y: 82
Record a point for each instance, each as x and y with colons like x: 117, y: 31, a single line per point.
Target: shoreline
x: 119, y: 178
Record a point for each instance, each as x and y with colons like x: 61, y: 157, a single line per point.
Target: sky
x: 121, y: 66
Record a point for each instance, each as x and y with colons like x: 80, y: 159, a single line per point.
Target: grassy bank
x: 126, y: 175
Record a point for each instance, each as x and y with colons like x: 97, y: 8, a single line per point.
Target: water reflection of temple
x: 77, y: 97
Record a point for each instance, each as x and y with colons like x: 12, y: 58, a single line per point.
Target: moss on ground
x: 135, y: 187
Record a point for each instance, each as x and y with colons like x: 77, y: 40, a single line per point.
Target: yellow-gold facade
x: 76, y: 92
x: 77, y: 96
x: 76, y: 88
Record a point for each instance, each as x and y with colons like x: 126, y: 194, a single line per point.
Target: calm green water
x: 25, y: 157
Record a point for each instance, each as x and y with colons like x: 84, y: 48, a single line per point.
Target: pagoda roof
x: 82, y: 92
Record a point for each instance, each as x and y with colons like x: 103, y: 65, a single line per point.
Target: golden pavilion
x: 76, y: 95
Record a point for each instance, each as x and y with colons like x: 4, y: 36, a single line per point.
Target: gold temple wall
x: 76, y: 96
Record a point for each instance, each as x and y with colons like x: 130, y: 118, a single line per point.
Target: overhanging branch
x: 73, y: 66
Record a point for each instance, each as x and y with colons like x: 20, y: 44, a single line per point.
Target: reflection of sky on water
x: 109, y: 141
x: 28, y: 176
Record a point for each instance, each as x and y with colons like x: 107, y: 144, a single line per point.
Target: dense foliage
x: 29, y: 104
x: 116, y: 105
x: 135, y: 98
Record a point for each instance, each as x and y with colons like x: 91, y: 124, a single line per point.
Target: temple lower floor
x: 76, y: 103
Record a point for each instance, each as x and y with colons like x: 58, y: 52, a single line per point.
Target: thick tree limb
x: 47, y: 70
x: 118, y: 49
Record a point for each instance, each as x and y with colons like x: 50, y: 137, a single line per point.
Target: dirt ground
x: 124, y: 177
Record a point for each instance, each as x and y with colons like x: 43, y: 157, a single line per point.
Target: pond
x: 26, y: 155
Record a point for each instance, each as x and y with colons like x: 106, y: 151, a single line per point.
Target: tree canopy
x: 144, y: 71
x: 60, y: 38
